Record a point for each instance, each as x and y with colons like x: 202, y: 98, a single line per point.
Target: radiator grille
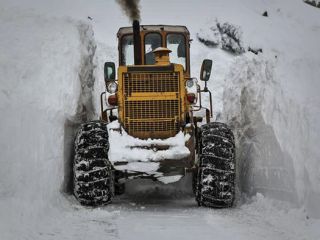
x: 151, y: 82
x: 152, y: 127
x: 152, y: 109
x: 147, y: 114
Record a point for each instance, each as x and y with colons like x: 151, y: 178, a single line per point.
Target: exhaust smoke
x: 131, y: 8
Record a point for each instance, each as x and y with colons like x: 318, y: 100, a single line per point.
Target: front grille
x: 151, y: 82
x: 152, y: 127
x: 146, y: 113
x: 152, y: 109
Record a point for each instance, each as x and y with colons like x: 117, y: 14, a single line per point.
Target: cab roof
x: 154, y: 28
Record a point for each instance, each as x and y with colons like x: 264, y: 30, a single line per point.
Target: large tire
x: 93, y: 173
x: 215, y: 185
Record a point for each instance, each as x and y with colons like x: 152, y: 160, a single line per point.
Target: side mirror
x: 206, y: 69
x: 109, y: 71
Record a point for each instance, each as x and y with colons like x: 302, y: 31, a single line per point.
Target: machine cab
x: 175, y: 38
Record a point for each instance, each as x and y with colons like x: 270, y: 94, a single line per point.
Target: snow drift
x: 254, y: 105
x: 275, y: 153
x: 271, y: 100
x: 46, y: 67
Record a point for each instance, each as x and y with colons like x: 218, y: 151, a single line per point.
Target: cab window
x: 176, y: 42
x: 151, y: 42
x: 127, y: 50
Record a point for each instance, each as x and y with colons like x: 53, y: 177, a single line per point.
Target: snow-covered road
x: 163, y: 217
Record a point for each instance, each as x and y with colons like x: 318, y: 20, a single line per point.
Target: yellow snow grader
x: 148, y: 127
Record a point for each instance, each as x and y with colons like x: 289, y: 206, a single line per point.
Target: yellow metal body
x: 152, y: 100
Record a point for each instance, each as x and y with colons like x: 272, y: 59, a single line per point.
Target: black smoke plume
x: 131, y: 8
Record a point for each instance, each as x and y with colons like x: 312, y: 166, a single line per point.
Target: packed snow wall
x: 276, y: 155
x: 47, y: 80
x: 265, y: 84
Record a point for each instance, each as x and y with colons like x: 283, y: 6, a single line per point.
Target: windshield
x: 127, y: 52
x: 177, y: 44
x: 151, y: 42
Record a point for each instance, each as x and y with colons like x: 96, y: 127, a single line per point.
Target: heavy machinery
x: 150, y: 124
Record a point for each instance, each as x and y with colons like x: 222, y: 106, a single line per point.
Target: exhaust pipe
x: 137, y: 42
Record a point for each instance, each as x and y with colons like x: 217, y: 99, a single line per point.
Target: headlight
x: 112, y: 87
x: 190, y: 83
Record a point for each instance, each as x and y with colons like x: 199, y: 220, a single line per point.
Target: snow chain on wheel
x: 93, y: 173
x: 216, y: 170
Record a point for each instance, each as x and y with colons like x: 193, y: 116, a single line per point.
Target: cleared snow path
x: 143, y: 217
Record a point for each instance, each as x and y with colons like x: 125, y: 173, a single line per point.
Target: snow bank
x: 275, y: 152
x: 254, y: 105
x: 46, y: 67
x: 272, y: 99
